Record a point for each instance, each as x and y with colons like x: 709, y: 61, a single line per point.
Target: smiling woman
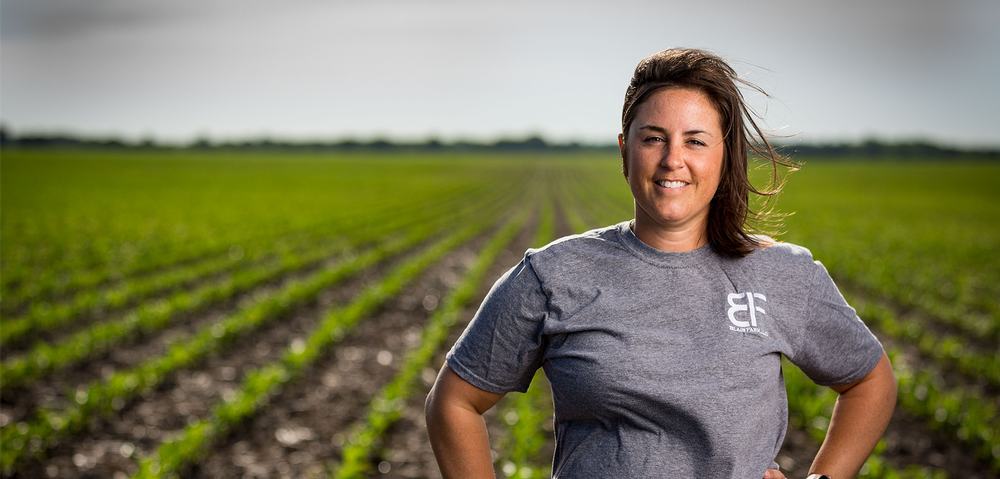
x: 698, y: 72
x: 673, y: 169
x: 662, y: 337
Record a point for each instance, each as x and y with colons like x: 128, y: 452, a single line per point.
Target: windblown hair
x: 732, y: 225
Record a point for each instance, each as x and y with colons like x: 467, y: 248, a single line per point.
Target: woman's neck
x: 674, y: 240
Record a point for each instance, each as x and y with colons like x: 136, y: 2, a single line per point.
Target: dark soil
x: 911, y: 440
x: 301, y: 431
x: 141, y: 425
x: 51, y: 392
x: 407, y: 452
x: 936, y: 327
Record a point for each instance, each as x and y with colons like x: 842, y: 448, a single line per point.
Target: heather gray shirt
x: 663, y: 364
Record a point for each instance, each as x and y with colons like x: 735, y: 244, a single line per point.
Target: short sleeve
x: 835, y: 347
x: 502, y: 347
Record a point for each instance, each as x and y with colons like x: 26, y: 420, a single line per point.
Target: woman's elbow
x: 433, y: 404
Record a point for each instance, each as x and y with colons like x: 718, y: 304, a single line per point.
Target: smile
x: 671, y: 184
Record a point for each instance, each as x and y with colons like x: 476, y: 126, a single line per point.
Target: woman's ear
x: 621, y: 148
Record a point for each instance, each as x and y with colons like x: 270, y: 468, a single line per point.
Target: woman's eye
x: 697, y: 142
x: 654, y: 138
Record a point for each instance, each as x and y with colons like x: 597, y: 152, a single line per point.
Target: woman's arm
x: 454, y: 412
x: 860, y: 416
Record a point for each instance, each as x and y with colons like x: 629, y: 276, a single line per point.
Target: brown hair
x: 730, y: 218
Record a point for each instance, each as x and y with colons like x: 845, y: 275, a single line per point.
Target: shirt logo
x: 736, y: 305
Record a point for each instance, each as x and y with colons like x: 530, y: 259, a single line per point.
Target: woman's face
x: 673, y: 165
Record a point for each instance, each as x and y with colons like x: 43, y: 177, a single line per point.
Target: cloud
x: 408, y: 69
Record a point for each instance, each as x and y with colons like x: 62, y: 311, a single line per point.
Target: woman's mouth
x: 671, y: 184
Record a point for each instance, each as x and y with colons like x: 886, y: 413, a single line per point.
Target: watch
x: 819, y: 476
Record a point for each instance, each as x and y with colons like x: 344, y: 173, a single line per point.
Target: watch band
x: 819, y: 476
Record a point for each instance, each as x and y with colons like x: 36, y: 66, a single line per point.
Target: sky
x: 227, y: 70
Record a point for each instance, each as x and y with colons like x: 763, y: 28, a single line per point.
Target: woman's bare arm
x: 859, y: 419
x: 454, y: 412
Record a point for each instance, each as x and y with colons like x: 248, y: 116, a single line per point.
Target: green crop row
x: 112, y: 214
x: 146, y: 318
x: 875, y: 226
x: 961, y: 412
x: 810, y: 407
x: 525, y: 415
x: 208, y: 260
x: 42, y: 315
x: 111, y: 394
x: 946, y: 348
x: 261, y: 384
x: 584, y: 197
x: 605, y: 195
x: 901, y: 272
x: 388, y: 403
x: 149, y: 316
x: 602, y: 195
x: 578, y: 223
x: 172, y: 271
x: 158, y: 314
x: 265, y: 266
x: 969, y: 314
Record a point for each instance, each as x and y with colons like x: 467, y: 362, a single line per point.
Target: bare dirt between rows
x: 97, y: 315
x: 912, y: 441
x: 935, y: 327
x: 64, y: 293
x: 406, y: 451
x: 909, y: 440
x: 108, y: 445
x: 51, y: 391
x: 91, y: 317
x: 301, y: 432
x: 304, y: 429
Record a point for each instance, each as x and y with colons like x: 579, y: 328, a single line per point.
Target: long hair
x: 732, y: 224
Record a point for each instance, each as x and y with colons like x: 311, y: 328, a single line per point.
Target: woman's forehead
x: 678, y: 106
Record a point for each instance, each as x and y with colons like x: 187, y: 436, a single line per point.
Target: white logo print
x: 750, y: 307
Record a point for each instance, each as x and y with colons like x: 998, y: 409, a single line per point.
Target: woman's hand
x: 773, y: 474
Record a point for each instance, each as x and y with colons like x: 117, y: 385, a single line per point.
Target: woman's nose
x: 673, y: 157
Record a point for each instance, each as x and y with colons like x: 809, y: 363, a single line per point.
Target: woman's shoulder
x: 576, y: 253
x: 594, y: 239
x: 773, y: 250
x: 786, y: 266
x: 778, y: 255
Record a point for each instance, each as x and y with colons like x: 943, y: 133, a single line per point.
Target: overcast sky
x: 228, y: 70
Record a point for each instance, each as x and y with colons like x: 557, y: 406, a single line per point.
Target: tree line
x: 870, y: 148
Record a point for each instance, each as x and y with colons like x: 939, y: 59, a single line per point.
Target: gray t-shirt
x: 663, y: 364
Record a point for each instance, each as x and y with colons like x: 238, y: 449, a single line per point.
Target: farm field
x: 282, y: 314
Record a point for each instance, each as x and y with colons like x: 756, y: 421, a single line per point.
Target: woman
x: 662, y: 337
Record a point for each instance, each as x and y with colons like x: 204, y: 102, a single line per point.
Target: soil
x: 52, y: 391
x: 165, y: 410
x: 301, y: 431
